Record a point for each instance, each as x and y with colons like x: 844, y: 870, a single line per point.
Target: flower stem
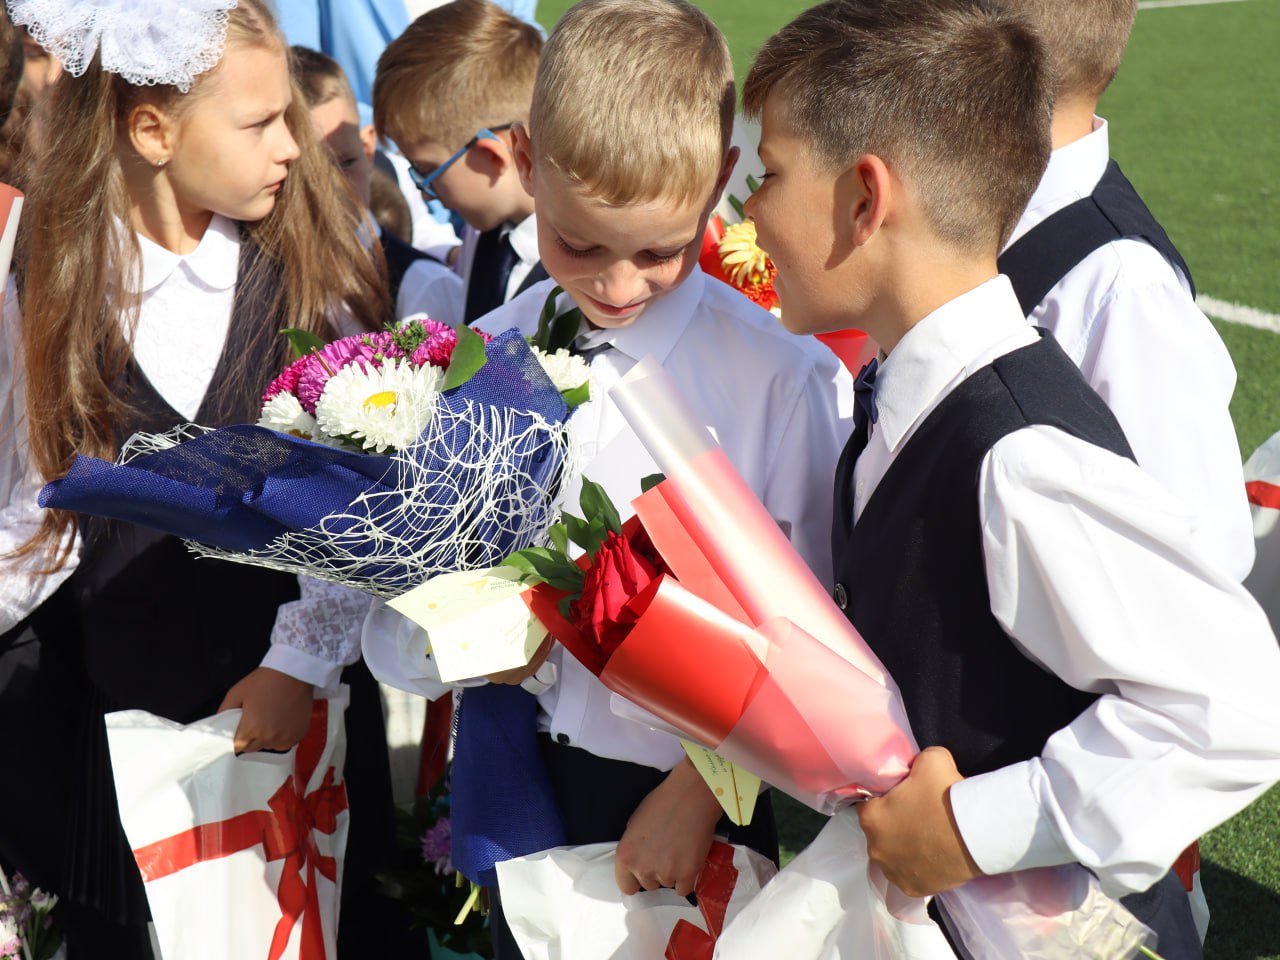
x: 1149, y: 954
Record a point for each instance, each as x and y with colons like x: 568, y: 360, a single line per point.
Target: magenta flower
x: 366, y: 349
x: 437, y: 846
x: 287, y: 382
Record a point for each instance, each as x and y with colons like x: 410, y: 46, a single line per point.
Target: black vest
x: 1053, y: 248
x: 164, y: 630
x: 913, y: 572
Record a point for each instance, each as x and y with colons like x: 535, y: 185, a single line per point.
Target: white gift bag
x: 1262, y: 482
x: 564, y: 904
x: 825, y: 905
x: 241, y: 856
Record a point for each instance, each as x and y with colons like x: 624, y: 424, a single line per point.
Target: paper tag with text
x: 735, y: 788
x: 477, y: 622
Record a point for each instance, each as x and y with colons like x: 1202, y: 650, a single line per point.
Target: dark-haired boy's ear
x: 151, y: 133
x: 522, y: 154
x: 869, y: 197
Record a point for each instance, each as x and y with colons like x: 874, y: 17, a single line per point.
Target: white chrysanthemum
x: 566, y: 370
x: 285, y: 414
x: 380, y: 408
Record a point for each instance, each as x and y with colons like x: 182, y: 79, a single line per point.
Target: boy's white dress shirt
x: 524, y: 241
x: 769, y: 399
x: 1094, y: 572
x: 1127, y: 319
x: 182, y: 325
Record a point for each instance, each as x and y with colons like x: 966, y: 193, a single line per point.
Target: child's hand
x: 277, y: 710
x: 520, y: 674
x: 912, y: 833
x: 669, y: 835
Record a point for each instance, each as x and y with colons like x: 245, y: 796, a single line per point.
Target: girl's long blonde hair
x: 77, y: 270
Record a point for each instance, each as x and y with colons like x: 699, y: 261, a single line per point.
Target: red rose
x: 619, y: 571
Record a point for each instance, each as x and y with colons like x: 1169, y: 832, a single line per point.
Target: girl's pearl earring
x: 160, y: 163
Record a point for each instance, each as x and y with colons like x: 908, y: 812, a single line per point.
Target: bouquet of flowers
x: 701, y: 615
x: 26, y: 925
x: 424, y: 878
x: 377, y: 461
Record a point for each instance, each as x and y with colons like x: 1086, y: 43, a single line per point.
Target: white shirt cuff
x: 321, y: 673
x: 1003, y: 823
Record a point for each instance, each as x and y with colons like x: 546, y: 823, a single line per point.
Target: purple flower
x: 366, y: 349
x: 437, y: 846
x: 287, y: 382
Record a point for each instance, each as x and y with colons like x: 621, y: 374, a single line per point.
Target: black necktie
x: 864, y: 396
x: 490, y: 270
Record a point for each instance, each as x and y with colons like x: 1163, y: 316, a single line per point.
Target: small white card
x: 477, y: 623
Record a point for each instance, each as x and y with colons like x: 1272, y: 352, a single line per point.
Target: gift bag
x: 241, y: 856
x: 564, y: 904
x: 1262, y: 484
x: 829, y: 905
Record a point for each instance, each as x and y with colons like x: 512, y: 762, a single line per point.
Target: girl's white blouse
x: 186, y: 309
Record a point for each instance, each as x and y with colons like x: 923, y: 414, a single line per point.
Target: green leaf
x: 752, y: 183
x: 551, y: 568
x: 577, y: 396
x: 651, y: 481
x: 467, y: 358
x: 578, y: 529
x: 564, y: 330
x: 737, y: 207
x: 539, y: 339
x: 596, y: 503
x: 563, y: 606
x: 522, y: 566
x: 302, y: 341
x: 559, y: 536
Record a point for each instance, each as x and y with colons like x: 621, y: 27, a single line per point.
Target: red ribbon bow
x: 286, y: 830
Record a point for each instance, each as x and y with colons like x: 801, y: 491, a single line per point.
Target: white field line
x: 1235, y: 313
x: 1157, y: 4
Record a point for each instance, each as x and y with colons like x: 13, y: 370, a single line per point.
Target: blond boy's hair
x: 319, y: 76
x: 953, y: 95
x: 456, y: 69
x: 635, y: 100
x: 1084, y: 40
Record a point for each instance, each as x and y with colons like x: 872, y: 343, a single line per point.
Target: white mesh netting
x: 148, y: 42
x: 495, y: 492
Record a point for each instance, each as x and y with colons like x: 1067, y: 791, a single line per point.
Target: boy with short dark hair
x: 1092, y: 265
x: 448, y: 91
x: 1040, y: 600
x: 418, y: 283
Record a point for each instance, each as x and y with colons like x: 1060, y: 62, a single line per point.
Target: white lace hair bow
x: 147, y: 42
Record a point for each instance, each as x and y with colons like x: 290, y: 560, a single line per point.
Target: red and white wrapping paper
x: 746, y: 652
x: 1262, y: 485
x: 564, y: 904
x: 241, y: 856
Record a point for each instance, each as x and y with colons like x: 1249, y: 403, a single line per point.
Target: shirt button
x: 562, y: 739
x: 842, y: 598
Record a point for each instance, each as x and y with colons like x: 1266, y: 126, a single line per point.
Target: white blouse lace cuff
x: 318, y: 634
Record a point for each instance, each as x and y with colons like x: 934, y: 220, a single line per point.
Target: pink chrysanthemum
x: 437, y: 846
x: 287, y: 382
x: 365, y: 349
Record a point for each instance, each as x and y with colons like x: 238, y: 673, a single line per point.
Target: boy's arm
x: 1093, y: 572
x: 669, y: 834
x: 1163, y: 370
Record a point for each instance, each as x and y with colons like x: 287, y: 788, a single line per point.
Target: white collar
x: 960, y: 337
x: 524, y: 239
x: 1073, y: 172
x: 659, y: 327
x: 215, y: 261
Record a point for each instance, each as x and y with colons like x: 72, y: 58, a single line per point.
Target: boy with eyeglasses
x: 447, y: 91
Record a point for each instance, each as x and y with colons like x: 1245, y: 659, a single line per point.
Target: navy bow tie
x: 864, y: 391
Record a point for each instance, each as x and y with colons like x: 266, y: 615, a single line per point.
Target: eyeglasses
x: 426, y: 183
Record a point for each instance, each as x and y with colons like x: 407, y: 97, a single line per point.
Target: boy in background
x: 1056, y: 631
x: 1092, y: 265
x: 626, y: 153
x: 418, y: 284
x: 448, y: 91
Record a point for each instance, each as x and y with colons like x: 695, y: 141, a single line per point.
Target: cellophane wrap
x: 240, y: 856
x: 478, y: 484
x: 745, y: 652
